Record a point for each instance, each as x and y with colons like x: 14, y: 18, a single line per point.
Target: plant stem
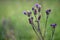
x: 52, y: 35
x: 45, y: 26
x: 40, y: 30
x: 35, y: 30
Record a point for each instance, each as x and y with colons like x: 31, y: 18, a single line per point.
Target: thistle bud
x: 39, y: 17
x: 35, y: 12
x: 25, y: 12
x: 31, y: 20
x: 53, y: 25
x: 29, y: 13
x: 32, y: 8
x: 39, y: 8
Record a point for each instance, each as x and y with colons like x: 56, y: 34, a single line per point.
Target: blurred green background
x: 14, y: 9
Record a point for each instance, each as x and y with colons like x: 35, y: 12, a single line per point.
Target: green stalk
x: 52, y: 35
x: 45, y: 26
x: 33, y: 26
x: 40, y: 31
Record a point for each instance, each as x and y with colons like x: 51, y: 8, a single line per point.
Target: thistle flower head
x: 29, y: 13
x: 31, y: 20
x: 53, y: 25
x: 37, y: 5
x: 48, y: 11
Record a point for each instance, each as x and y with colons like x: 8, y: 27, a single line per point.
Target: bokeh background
x: 13, y: 9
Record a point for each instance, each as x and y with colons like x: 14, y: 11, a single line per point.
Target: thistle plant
x: 36, y: 11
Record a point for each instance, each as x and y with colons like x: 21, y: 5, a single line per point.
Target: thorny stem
x: 45, y: 26
x: 52, y: 35
x: 35, y: 30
